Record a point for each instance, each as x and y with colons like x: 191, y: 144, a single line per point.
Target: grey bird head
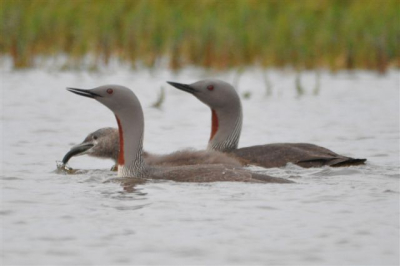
x: 129, y: 114
x: 110, y: 95
x: 102, y: 143
x: 226, y: 111
x: 215, y: 93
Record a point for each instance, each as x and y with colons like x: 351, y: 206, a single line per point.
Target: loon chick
x: 226, y: 126
x: 129, y: 115
x: 104, y: 143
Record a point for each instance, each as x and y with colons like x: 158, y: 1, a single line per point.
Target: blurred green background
x: 220, y: 34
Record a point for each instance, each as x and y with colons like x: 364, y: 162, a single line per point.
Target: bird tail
x: 349, y: 162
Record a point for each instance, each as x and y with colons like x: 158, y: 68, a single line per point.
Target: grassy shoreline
x: 306, y: 34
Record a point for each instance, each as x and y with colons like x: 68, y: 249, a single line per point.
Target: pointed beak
x: 79, y: 149
x: 86, y: 93
x: 182, y: 87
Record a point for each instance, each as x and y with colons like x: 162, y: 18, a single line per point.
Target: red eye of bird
x: 210, y: 87
x: 110, y: 91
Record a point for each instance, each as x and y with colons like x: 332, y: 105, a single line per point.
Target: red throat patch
x: 121, y: 158
x: 214, y: 123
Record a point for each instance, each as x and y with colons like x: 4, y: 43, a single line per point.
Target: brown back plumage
x: 301, y: 154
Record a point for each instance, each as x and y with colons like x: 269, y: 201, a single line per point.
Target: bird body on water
x: 226, y: 126
x: 129, y: 115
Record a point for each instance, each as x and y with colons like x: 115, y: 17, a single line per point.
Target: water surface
x: 330, y: 216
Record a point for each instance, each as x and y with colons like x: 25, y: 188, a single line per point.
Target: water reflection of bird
x: 226, y: 116
x: 128, y: 112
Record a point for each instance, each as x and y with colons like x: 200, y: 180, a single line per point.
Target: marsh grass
x: 160, y: 99
x: 218, y: 34
x: 298, y: 86
x: 317, y: 87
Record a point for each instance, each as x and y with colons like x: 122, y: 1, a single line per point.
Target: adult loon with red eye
x: 129, y: 115
x: 226, y: 126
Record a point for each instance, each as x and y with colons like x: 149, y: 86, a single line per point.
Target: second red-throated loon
x: 226, y: 126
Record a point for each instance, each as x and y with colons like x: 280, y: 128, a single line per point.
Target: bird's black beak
x: 86, y: 93
x: 182, y: 87
x: 79, y: 149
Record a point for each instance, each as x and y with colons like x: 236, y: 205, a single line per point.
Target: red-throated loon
x: 226, y: 126
x: 129, y: 115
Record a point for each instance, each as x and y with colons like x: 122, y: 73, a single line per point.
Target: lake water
x: 347, y: 216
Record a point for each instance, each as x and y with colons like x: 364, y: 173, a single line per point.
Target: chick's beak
x: 79, y: 149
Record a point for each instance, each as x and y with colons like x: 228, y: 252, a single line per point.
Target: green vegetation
x: 220, y: 34
x: 160, y: 100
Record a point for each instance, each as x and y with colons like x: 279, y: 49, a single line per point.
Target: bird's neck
x: 226, y: 126
x: 131, y: 130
